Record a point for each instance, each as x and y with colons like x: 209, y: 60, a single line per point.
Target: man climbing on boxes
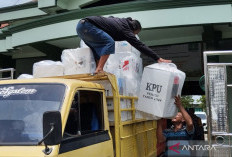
x: 100, y: 34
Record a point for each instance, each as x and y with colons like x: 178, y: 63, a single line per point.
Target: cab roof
x: 67, y: 82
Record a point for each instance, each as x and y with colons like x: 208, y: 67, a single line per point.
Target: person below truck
x: 100, y: 34
x: 199, y: 130
x: 178, y: 135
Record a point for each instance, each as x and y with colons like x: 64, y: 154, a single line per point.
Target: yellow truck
x: 68, y: 116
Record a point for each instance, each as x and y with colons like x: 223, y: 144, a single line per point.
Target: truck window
x: 86, y: 114
x: 85, y: 124
x: 21, y: 111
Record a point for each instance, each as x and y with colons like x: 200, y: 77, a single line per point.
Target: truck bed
x: 135, y: 137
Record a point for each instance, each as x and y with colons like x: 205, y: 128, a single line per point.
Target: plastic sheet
x: 127, y: 67
x: 78, y: 61
x: 124, y: 46
x: 25, y: 76
x: 83, y: 45
x: 48, y: 68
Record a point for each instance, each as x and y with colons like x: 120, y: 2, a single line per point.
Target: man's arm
x: 159, y: 132
x: 185, y: 114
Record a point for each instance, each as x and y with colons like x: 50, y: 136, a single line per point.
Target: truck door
x: 218, y: 85
x: 85, y: 131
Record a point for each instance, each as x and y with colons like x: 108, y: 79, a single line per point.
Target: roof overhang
x: 39, y: 8
x: 161, y: 25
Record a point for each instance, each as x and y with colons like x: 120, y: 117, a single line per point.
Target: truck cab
x: 82, y: 106
x: 73, y: 115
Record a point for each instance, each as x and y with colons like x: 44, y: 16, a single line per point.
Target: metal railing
x: 8, y: 70
x: 218, y: 100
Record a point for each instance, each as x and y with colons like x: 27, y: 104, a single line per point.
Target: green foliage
x: 187, y: 101
x: 202, y: 102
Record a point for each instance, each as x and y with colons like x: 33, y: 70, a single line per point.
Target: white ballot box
x: 160, y: 84
x: 47, y: 68
x: 78, y: 61
x: 25, y: 76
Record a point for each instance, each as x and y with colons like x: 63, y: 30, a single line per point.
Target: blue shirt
x: 176, y: 140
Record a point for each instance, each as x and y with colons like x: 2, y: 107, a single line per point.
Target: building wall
x: 165, y: 23
x: 25, y: 65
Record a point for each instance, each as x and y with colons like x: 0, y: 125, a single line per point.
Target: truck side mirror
x: 52, y: 128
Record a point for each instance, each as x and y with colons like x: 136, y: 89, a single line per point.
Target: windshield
x: 21, y: 111
x: 202, y: 116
